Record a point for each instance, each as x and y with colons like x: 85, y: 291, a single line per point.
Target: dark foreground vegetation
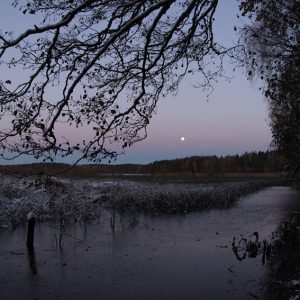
x: 283, y: 280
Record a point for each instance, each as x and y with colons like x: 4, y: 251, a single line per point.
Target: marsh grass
x: 178, y: 197
x: 86, y: 201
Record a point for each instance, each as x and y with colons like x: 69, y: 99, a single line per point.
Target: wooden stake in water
x: 30, y: 229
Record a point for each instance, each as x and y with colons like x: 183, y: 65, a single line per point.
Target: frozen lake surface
x: 186, y: 256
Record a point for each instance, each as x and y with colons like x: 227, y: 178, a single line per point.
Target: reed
x: 84, y: 201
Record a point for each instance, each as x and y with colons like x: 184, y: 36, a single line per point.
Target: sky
x: 232, y: 120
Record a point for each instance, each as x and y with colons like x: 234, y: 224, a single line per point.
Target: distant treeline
x: 248, y: 162
x: 252, y: 162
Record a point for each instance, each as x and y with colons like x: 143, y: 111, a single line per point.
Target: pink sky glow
x: 233, y: 120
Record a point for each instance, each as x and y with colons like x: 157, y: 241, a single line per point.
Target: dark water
x: 168, y: 257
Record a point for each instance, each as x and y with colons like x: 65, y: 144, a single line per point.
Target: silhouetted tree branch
x: 100, y: 65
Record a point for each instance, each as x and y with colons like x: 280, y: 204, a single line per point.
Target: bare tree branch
x: 99, y: 65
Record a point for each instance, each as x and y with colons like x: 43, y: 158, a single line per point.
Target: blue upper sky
x: 234, y: 118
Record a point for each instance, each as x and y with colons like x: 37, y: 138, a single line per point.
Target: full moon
x: 182, y: 138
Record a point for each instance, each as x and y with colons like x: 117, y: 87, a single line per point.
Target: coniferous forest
x: 249, y: 162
